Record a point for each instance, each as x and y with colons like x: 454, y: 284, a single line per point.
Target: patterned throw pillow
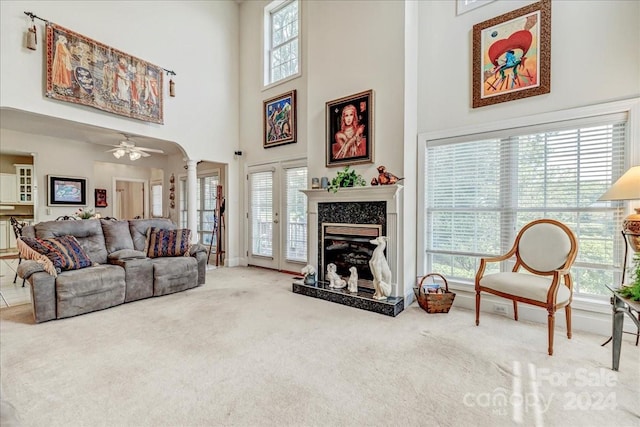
x: 56, y: 254
x: 162, y: 242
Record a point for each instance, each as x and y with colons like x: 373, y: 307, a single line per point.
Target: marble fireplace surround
x: 349, y: 206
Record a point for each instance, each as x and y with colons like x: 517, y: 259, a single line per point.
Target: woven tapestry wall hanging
x: 86, y: 72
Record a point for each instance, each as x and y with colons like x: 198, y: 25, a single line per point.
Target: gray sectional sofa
x: 121, y: 271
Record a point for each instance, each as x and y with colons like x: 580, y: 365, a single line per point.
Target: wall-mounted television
x: 67, y: 191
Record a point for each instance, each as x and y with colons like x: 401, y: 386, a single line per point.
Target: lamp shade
x: 627, y: 187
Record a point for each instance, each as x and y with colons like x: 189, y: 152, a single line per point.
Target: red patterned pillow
x: 162, y: 242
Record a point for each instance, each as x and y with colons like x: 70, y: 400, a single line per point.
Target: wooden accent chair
x: 546, y: 249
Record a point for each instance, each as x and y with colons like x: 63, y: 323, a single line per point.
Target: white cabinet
x: 7, y: 236
x: 5, y: 228
x: 25, y: 183
x: 8, y: 188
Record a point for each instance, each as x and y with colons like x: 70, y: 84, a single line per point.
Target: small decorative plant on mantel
x: 632, y: 290
x: 346, y: 178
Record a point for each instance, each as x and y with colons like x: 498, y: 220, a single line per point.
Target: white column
x: 192, y: 198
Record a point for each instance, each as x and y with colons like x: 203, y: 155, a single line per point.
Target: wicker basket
x: 433, y: 302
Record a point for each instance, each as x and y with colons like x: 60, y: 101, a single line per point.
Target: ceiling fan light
x: 134, y: 155
x: 118, y: 153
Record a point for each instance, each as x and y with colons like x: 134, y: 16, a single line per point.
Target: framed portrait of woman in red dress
x: 349, y: 136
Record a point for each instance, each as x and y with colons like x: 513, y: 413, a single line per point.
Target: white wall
x: 196, y: 39
x: 595, y: 58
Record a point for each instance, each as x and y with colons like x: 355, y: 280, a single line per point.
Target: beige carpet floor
x: 244, y: 350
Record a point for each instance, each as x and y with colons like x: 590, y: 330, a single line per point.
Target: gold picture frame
x: 512, y: 55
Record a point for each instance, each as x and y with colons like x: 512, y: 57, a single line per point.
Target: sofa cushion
x: 116, y: 235
x: 89, y: 289
x: 168, y: 243
x: 139, y: 227
x: 174, y: 274
x: 64, y: 253
x: 88, y: 232
x: 126, y: 254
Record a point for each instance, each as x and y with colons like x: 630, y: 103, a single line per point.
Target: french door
x: 277, y: 215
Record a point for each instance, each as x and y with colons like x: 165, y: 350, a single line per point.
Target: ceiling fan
x: 129, y: 147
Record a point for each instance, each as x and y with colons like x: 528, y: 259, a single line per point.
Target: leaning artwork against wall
x: 83, y: 71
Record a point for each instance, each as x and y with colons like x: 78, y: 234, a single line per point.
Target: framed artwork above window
x: 512, y: 55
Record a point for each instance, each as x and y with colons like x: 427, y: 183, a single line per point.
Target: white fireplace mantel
x: 391, y: 194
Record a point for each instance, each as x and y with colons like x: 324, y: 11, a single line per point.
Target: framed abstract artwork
x: 279, y: 120
x: 512, y: 55
x: 349, y: 122
x: 67, y: 191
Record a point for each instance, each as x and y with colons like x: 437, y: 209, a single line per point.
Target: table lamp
x: 627, y: 187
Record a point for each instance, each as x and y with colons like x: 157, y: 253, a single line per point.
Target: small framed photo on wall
x: 101, y: 198
x: 349, y: 138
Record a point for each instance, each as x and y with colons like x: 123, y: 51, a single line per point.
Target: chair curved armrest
x: 484, y: 261
x: 498, y: 258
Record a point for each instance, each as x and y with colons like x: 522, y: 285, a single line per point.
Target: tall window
x: 296, y: 180
x: 156, y: 200
x: 282, y: 50
x: 206, y: 204
x: 479, y: 193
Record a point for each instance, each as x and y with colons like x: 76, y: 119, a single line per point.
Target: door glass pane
x: 296, y: 180
x: 261, y: 212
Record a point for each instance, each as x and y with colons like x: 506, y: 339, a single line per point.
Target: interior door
x: 277, y: 216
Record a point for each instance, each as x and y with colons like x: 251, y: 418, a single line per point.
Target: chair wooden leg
x: 552, y: 322
x: 477, y: 308
x: 515, y: 310
x: 567, y: 313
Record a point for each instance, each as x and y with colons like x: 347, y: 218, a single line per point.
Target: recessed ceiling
x: 27, y: 122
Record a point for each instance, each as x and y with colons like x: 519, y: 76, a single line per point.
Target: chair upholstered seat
x: 525, y: 286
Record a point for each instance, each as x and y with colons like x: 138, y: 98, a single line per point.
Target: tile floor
x: 12, y: 293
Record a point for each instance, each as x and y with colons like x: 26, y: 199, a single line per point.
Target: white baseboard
x: 589, y: 317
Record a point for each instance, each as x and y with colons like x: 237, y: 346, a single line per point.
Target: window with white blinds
x: 296, y: 180
x: 156, y: 200
x: 261, y: 213
x: 479, y: 193
x: 206, y: 188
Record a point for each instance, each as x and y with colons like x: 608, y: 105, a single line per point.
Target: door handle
x: 275, y: 221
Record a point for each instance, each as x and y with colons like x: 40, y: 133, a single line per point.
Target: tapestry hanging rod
x: 34, y: 16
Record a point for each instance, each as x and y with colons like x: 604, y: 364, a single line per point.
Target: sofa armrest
x: 43, y: 296
x: 196, y: 248
x: 124, y: 254
x: 28, y: 267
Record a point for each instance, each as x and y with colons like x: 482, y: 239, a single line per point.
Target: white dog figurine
x: 353, y: 280
x: 335, y: 281
x: 309, y: 273
x: 380, y: 269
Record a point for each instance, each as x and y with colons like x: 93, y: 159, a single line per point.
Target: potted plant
x: 632, y: 290
x: 346, y: 178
